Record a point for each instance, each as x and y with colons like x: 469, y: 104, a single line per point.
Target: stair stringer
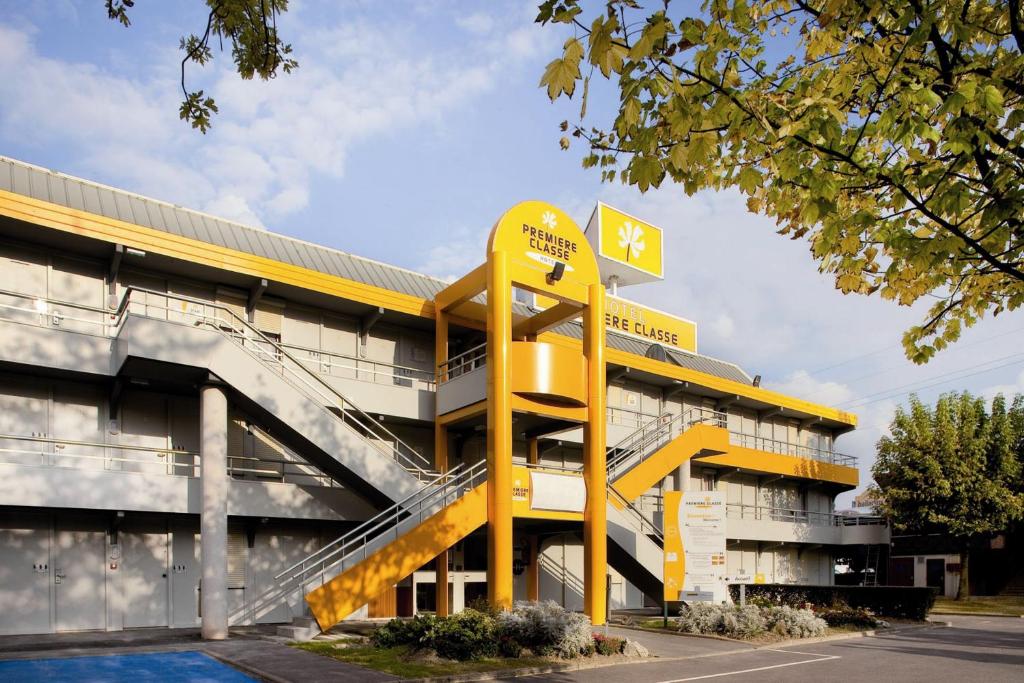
x: 634, y: 554
x: 700, y: 439
x: 357, y: 585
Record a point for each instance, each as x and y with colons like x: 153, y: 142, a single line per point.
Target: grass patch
x: 1008, y: 605
x: 406, y: 663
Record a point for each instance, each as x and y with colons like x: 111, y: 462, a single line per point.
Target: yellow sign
x: 650, y: 324
x: 539, y: 235
x: 630, y: 242
x: 675, y: 558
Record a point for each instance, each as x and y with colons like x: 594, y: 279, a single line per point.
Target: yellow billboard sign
x: 628, y: 249
x: 650, y: 324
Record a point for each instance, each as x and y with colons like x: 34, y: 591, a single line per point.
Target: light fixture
x: 757, y: 380
x: 556, y: 273
x: 131, y: 251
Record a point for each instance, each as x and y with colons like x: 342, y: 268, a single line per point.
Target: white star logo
x: 549, y: 219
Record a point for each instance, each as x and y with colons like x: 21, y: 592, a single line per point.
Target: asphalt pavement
x: 983, y: 649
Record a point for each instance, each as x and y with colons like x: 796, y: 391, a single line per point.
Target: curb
x: 977, y: 614
x: 244, y: 668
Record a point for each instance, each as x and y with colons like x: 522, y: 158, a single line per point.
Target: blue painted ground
x: 177, y: 667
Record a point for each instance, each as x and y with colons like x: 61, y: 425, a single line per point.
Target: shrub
x: 413, y: 632
x: 794, y: 623
x: 509, y: 646
x: 547, y: 628
x: 743, y: 622
x: 701, y: 618
x: 608, y: 645
x: 464, y: 636
x: 844, y: 615
x: 885, y: 601
x: 749, y: 621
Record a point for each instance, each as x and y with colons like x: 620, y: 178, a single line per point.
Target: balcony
x: 43, y: 471
x: 759, y: 443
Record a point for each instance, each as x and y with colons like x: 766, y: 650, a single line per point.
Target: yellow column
x: 533, y: 572
x: 499, y: 433
x: 595, y: 540
x: 441, y: 462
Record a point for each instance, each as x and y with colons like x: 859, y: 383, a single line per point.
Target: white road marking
x: 817, y: 658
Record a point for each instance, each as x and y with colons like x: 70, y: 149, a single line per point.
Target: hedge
x: 901, y: 602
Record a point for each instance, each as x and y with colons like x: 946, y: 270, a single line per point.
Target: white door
x: 144, y: 578
x: 25, y: 578
x: 79, y: 583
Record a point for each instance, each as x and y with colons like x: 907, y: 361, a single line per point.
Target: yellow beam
x: 786, y: 465
x: 472, y: 410
x: 499, y: 432
x: 463, y: 289
x: 546, y: 319
x: 595, y: 471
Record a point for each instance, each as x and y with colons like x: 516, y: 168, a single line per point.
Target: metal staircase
x: 654, y: 435
x: 349, y: 551
x: 196, y: 313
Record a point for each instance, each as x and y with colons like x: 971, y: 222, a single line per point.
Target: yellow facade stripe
x: 175, y: 246
x: 114, y: 231
x: 785, y: 465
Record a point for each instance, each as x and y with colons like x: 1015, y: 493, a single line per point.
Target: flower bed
x: 543, y: 629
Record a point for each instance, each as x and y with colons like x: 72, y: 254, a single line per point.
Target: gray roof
x: 76, y: 193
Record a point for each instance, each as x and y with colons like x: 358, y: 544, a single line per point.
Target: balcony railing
x: 365, y: 369
x: 780, y: 514
x: 45, y: 451
x: 760, y: 443
x: 462, y: 363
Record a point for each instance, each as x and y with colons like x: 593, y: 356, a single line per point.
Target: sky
x: 407, y: 130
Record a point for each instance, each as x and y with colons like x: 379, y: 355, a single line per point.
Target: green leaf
x: 992, y: 100
x: 561, y: 74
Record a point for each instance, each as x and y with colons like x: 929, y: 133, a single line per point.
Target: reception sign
x: 694, y: 545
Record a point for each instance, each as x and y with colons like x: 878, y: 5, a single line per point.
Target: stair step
x: 305, y: 622
x: 298, y: 633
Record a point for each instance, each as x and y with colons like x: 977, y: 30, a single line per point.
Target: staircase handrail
x: 644, y: 525
x: 362, y: 420
x: 637, y: 443
x: 458, y: 480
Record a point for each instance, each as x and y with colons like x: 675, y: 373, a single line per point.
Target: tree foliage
x: 890, y: 133
x: 956, y: 469
x: 249, y: 26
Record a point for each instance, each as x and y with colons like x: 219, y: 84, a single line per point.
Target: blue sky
x: 407, y: 130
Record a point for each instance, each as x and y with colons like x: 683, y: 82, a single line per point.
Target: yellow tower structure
x: 535, y: 247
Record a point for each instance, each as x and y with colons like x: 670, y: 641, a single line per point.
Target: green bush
x: 413, y: 632
x: 844, y: 615
x: 464, y: 636
x: 608, y: 645
x: 547, y: 628
x: 749, y: 621
x: 885, y: 601
x: 509, y: 646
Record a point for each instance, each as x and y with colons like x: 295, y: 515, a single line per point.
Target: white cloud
x: 358, y: 80
x: 478, y: 23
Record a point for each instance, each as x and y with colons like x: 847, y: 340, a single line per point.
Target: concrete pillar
x: 213, y: 463
x: 681, y: 477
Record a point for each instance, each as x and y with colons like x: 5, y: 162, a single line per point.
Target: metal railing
x: 460, y: 364
x: 628, y: 418
x: 761, y: 443
x: 191, y: 312
x: 211, y: 316
x: 638, y: 520
x: 355, y: 546
x: 780, y: 514
x: 366, y: 369
x: 645, y: 441
x: 863, y: 520
x: 46, y: 451
x: 288, y: 468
